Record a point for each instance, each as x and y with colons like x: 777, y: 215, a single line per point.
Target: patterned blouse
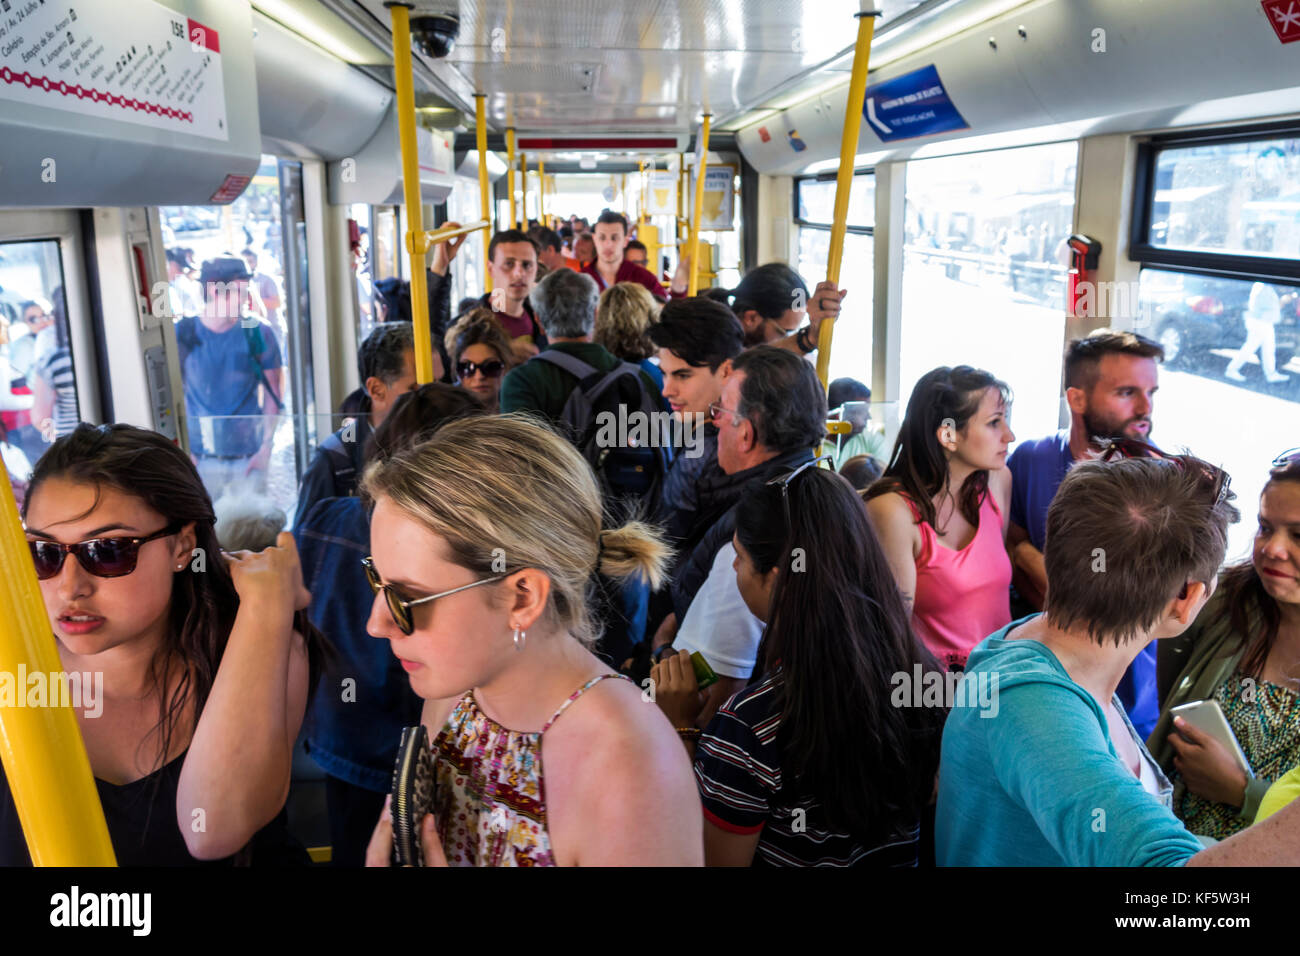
x: 489, y: 801
x: 1266, y: 724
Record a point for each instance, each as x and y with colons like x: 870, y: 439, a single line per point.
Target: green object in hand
x: 704, y: 675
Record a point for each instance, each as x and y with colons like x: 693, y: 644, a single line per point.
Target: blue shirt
x: 1037, y: 469
x: 1034, y: 780
x: 364, y: 698
x: 220, y: 372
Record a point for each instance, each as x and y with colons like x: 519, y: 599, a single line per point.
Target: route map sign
x: 134, y: 61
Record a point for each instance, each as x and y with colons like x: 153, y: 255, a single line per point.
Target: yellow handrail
x: 541, y: 194
x: 415, y: 244
x: 44, y: 756
x: 510, y: 174
x: 693, y: 244
x: 523, y: 204
x: 484, y: 203
x: 443, y: 233
x: 844, y: 178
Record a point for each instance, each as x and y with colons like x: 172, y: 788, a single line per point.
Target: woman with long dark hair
x: 942, y: 506
x: 205, y: 663
x: 815, y: 763
x: 1243, y: 651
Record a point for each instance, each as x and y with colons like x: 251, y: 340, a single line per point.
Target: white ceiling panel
x: 634, y: 65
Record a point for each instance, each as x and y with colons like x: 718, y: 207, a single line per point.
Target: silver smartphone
x: 1207, y: 717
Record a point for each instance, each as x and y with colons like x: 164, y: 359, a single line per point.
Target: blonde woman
x: 543, y: 755
x: 480, y: 354
x: 623, y: 319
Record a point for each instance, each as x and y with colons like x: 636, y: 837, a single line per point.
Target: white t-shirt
x: 719, y: 625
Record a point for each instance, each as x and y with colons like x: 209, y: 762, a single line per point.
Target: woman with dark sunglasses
x: 818, y: 761
x: 481, y: 355
x: 1243, y: 651
x: 543, y: 756
x: 205, y: 662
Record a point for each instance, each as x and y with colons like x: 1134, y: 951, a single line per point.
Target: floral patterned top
x: 1266, y: 723
x: 489, y: 801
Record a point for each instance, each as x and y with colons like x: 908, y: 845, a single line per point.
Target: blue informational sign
x: 911, y: 105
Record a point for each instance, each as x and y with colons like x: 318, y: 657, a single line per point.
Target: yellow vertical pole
x: 697, y: 214
x: 510, y: 174
x: 523, y: 205
x: 640, y: 163
x: 44, y: 756
x: 623, y: 190
x: 844, y: 178
x: 541, y: 195
x: 416, y: 245
x: 484, y: 201
x: 681, y: 202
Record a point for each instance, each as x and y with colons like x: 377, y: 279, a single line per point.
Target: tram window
x: 247, y: 385
x: 816, y: 201
x: 984, y: 274
x: 38, y: 388
x: 363, y: 268
x: 1238, y: 198
x: 463, y: 205
x: 1214, y: 330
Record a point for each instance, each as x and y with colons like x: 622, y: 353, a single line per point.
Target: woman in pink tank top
x: 940, y: 510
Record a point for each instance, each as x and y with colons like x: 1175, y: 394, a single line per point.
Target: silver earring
x: 520, y: 638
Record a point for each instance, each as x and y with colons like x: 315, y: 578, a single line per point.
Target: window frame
x: 1228, y: 265
x: 828, y: 177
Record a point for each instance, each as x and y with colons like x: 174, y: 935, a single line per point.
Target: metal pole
x: 640, y: 164
x: 415, y: 244
x: 541, y: 194
x: 484, y: 202
x: 693, y: 244
x: 44, y: 756
x: 510, y: 173
x: 844, y: 178
x: 523, y: 205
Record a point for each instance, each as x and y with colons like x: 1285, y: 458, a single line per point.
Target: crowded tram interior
x: 670, y: 433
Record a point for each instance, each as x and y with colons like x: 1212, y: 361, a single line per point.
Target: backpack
x: 187, y: 338
x: 597, y: 418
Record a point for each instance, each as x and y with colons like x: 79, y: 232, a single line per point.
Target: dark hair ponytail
x: 839, y: 630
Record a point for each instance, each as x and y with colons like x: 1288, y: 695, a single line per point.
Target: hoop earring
x: 520, y: 638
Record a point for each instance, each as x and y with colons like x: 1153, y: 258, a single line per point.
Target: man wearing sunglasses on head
x: 1110, y: 383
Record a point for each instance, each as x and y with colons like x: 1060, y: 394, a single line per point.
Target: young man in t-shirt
x: 1110, y: 386
x: 611, y: 266
x: 232, y: 369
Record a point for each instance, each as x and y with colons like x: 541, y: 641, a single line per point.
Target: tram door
x: 48, y: 377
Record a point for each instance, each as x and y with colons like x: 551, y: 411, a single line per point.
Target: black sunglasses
x: 491, y: 368
x: 400, y: 607
x: 102, y: 557
x: 1288, y: 458
x: 783, y: 482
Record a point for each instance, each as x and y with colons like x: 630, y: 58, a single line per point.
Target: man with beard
x: 1110, y: 386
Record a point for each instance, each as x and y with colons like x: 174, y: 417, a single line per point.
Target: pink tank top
x: 961, y: 596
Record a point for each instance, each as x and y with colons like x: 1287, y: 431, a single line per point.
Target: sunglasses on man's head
x: 491, y: 368
x: 102, y: 557
x: 1216, y: 479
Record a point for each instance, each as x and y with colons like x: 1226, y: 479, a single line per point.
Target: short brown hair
x: 1083, y: 356
x: 1124, y: 537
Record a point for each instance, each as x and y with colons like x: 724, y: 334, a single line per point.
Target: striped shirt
x: 56, y: 369
x: 738, y: 769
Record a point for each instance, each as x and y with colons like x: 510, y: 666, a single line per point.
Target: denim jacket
x: 364, y: 699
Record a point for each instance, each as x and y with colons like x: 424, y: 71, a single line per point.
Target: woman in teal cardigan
x: 1243, y: 651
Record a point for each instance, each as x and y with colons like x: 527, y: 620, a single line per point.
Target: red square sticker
x: 203, y: 38
x: 1284, y: 16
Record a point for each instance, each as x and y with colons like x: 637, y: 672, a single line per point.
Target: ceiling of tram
x: 635, y: 65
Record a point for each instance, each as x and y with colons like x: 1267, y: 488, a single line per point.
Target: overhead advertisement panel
x: 134, y: 61
x: 914, y: 104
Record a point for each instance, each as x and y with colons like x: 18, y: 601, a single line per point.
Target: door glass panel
x: 1230, y: 382
x: 851, y: 344
x: 983, y: 273
x: 38, y: 387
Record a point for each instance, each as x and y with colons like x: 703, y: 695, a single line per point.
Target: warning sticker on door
x: 135, y: 61
x: 1284, y: 16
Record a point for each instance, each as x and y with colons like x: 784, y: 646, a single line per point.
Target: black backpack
x: 621, y: 428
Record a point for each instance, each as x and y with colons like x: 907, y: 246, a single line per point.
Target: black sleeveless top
x: 141, y: 818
